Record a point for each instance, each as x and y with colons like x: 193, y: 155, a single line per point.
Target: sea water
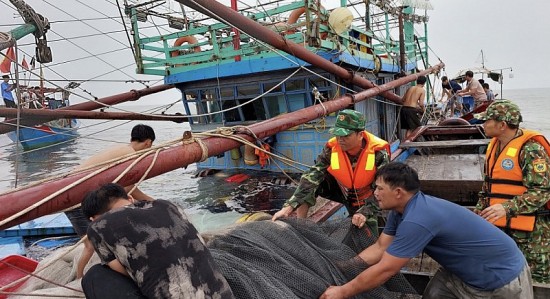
x: 210, y: 201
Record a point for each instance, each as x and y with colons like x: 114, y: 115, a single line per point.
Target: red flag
x: 5, y: 66
x: 24, y: 64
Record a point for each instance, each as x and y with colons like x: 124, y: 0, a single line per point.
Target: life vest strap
x: 503, y: 181
x: 500, y: 195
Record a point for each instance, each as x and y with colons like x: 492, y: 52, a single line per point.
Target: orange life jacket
x: 504, y: 177
x: 356, y: 183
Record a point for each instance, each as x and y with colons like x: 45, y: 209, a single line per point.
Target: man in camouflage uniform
x: 322, y: 180
x: 522, y: 178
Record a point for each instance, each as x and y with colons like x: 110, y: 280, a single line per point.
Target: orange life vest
x: 504, y: 177
x: 356, y: 183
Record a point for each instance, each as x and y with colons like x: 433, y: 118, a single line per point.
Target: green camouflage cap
x: 347, y: 122
x: 502, y: 110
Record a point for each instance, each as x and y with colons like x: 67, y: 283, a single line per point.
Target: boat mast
x: 482, y: 64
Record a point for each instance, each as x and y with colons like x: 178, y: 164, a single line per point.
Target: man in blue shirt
x: 477, y: 259
x: 6, y: 92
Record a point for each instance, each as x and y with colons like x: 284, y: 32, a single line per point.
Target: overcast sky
x: 510, y: 33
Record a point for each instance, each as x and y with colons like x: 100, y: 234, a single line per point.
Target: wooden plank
x: 457, y: 167
x: 456, y: 177
x: 445, y: 143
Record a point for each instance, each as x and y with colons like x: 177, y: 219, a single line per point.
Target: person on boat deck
x: 450, y: 88
x: 516, y: 189
x: 344, y: 172
x: 474, y: 89
x: 413, y: 106
x: 141, y: 137
x: 489, y: 92
x: 152, y: 243
x: 7, y: 88
x: 477, y: 259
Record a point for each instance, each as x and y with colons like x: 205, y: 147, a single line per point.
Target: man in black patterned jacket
x: 151, y: 242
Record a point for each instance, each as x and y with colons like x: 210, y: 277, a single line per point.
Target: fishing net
x: 296, y: 258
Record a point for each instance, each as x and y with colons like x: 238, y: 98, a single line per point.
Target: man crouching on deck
x: 477, y: 259
x: 153, y: 243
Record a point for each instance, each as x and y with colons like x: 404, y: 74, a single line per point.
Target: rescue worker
x: 344, y: 172
x: 515, y: 194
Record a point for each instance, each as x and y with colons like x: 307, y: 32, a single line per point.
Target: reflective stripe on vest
x: 356, y: 183
x: 504, y: 177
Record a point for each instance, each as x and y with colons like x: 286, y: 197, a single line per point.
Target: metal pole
x: 18, y: 96
x: 501, y: 81
x: 133, y: 95
x: 46, y: 114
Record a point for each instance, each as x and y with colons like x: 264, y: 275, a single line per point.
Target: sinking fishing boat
x: 231, y: 70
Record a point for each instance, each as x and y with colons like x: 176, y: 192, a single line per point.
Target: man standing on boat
x: 153, y: 243
x: 413, y: 106
x: 477, y: 259
x: 516, y: 191
x: 450, y: 89
x: 473, y: 89
x: 344, y: 172
x: 141, y: 137
x: 6, y: 92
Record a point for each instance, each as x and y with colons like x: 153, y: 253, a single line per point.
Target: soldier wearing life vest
x: 344, y: 172
x: 516, y: 190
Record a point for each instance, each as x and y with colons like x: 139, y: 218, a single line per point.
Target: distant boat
x: 53, y: 132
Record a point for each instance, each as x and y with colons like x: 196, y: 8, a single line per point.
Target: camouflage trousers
x: 535, y: 246
x: 539, y: 262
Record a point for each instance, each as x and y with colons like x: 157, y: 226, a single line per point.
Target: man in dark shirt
x: 153, y: 243
x: 450, y: 89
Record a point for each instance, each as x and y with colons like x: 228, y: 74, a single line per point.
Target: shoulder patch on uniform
x: 539, y: 165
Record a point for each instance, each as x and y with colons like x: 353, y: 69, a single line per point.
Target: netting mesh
x: 296, y: 259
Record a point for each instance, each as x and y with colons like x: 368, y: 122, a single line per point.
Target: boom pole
x: 133, y: 95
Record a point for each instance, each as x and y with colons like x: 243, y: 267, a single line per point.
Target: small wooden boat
x: 53, y: 132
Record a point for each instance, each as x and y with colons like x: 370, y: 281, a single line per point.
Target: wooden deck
x: 456, y: 177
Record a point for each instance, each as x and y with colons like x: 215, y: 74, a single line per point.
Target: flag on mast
x: 5, y: 66
x: 24, y: 64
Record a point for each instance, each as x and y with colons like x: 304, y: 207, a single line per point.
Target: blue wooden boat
x: 232, y: 78
x: 53, y: 132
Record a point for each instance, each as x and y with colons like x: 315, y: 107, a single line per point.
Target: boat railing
x: 208, y: 42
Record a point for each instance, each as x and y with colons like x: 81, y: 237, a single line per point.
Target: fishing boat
x: 230, y: 75
x: 54, y: 132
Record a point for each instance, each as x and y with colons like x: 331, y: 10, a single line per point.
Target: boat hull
x: 45, y: 135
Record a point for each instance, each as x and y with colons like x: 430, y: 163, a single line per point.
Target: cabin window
x: 297, y: 101
x: 210, y: 105
x: 323, y: 86
x: 276, y: 104
x: 269, y: 85
x: 292, y: 85
x: 254, y: 110
x: 227, y: 92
